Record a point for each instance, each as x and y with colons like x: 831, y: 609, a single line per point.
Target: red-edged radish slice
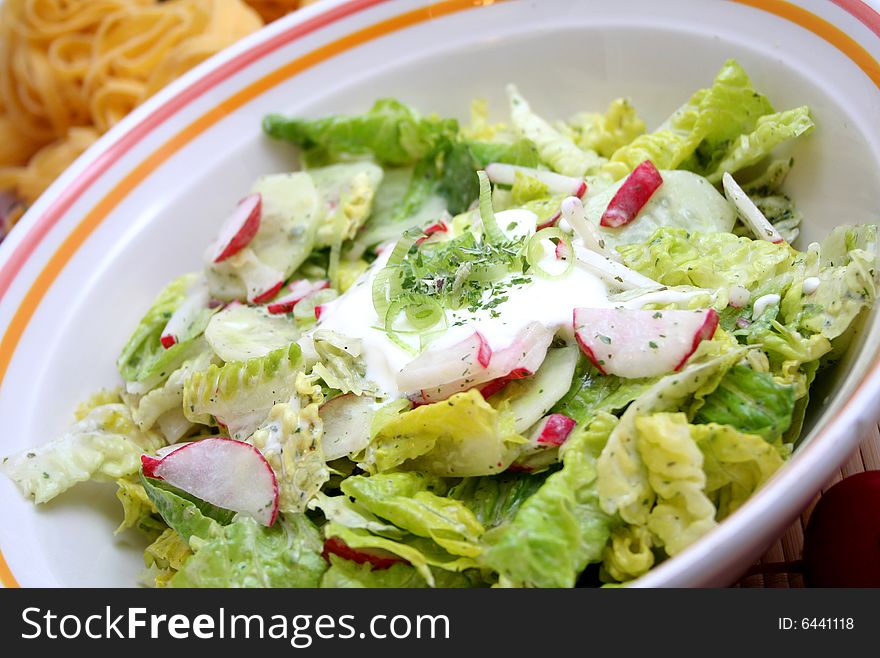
x: 227, y: 473
x: 554, y: 219
x: 611, y: 272
x: 641, y: 343
x: 759, y: 225
x: 468, y: 358
x: 346, y: 421
x: 505, y: 174
x: 268, y: 293
x: 375, y: 557
x: 433, y: 229
x: 181, y: 320
x: 521, y: 358
x: 553, y: 430
x: 632, y: 195
x: 239, y: 228
x: 319, y: 309
x: 842, y: 539
x: 573, y: 211
x: 296, y: 292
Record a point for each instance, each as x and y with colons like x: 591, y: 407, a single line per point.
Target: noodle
x: 71, y: 69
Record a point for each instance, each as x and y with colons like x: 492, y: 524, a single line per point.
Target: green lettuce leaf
x: 105, y: 445
x: 520, y: 152
x: 390, y: 131
x: 592, y: 392
x: 736, y: 464
x: 188, y: 516
x: 290, y: 440
x: 341, y: 364
x: 137, y: 508
x: 683, y: 512
x: 406, y: 500
x: 555, y: 150
x: 623, y: 483
x: 165, y: 556
x: 495, y: 499
x: 419, y: 552
x: 144, y: 358
x: 459, y: 437
x: 345, y: 512
x: 561, y: 528
x: 247, y: 554
x: 628, y: 554
x: 240, y: 394
x: 347, y: 574
x: 753, y: 402
x: 605, y: 133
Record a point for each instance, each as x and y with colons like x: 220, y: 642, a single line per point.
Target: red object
x: 318, y: 310
x: 556, y: 429
x: 439, y: 227
x: 167, y: 341
x: 842, y: 538
x: 149, y: 465
x: 550, y: 222
x: 376, y: 558
x: 710, y: 324
x: 240, y: 228
x: 632, y: 195
x: 266, y: 295
x: 298, y: 290
x: 490, y: 388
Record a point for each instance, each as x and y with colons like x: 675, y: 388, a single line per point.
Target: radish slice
x: 573, y: 212
x: 505, y: 174
x: 748, y: 211
x: 467, y: 359
x: 738, y: 296
x: 639, y: 343
x: 438, y: 227
x: 375, y: 557
x: 553, y: 430
x: 613, y: 273
x: 346, y: 421
x: 181, y: 320
x: 227, y: 473
x: 267, y: 293
x: 296, y: 292
x: 632, y: 195
x: 521, y: 358
x: 239, y: 228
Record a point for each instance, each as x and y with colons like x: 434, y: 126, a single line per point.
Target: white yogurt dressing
x: 811, y: 284
x: 762, y: 303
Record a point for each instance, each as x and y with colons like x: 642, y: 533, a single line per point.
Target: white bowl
x: 82, y: 266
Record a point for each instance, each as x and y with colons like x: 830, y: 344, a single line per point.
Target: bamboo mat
x: 780, y: 565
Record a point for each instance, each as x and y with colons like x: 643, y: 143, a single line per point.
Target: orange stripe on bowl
x: 93, y: 219
x: 827, y: 31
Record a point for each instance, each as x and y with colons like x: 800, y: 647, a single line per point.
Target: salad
x: 524, y: 354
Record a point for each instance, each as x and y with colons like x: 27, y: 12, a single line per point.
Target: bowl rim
x: 20, y: 245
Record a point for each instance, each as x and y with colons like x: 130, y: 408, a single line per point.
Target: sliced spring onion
x: 395, y: 308
x: 487, y: 215
x: 424, y: 315
x: 535, y: 251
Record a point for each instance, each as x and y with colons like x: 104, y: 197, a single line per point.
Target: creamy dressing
x: 549, y: 301
x: 762, y: 303
x: 811, y: 285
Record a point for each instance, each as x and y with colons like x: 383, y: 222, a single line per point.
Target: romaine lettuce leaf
x: 421, y: 553
x: 290, y: 440
x: 340, y: 363
x: 495, y: 499
x: 406, y: 500
x: 345, y: 512
x: 561, y: 528
x: 347, y: 574
x: 390, y: 131
x: 623, y: 483
x: 592, y: 392
x: 137, y: 508
x: 605, y: 133
x: 188, y: 516
x: 168, y: 553
x: 683, y: 512
x: 105, y: 445
x: 240, y: 394
x: 144, y: 358
x: 556, y: 150
x: 735, y: 463
x: 753, y: 402
x: 459, y: 437
x: 247, y: 554
x: 629, y: 554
